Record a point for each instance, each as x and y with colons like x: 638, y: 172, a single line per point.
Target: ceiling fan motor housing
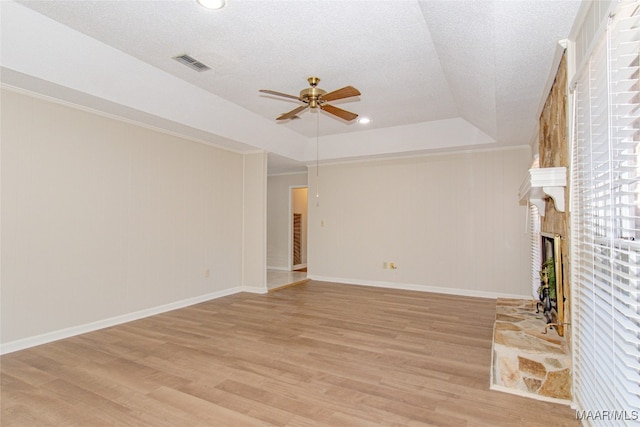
x: 311, y: 95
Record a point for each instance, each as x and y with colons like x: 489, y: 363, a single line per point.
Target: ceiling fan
x: 314, y: 97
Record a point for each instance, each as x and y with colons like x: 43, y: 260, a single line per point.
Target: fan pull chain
x: 317, y: 156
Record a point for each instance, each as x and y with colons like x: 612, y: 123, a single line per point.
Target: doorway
x: 298, y: 228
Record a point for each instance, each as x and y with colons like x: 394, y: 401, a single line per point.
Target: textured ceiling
x: 485, y: 64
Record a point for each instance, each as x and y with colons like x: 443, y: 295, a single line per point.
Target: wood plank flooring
x: 317, y: 354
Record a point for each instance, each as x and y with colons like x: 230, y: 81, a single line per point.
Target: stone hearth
x: 525, y: 360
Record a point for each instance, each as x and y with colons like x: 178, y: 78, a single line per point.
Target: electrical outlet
x: 385, y: 265
x: 207, y: 273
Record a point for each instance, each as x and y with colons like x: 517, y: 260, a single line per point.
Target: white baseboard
x: 254, y: 289
x: 415, y: 287
x: 33, y: 341
x: 278, y: 268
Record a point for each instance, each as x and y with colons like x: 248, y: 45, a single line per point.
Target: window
x: 605, y: 225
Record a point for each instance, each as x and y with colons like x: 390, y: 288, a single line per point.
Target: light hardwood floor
x: 278, y: 279
x: 317, y: 354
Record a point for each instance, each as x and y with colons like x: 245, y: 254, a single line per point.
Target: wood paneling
x: 297, y: 239
x: 317, y: 354
x: 101, y: 218
x: 447, y: 220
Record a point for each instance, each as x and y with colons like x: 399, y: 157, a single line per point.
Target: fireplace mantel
x: 542, y: 183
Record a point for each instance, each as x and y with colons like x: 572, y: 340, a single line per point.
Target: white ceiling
x: 434, y: 75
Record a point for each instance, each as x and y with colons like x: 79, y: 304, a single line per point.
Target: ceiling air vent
x: 191, y: 62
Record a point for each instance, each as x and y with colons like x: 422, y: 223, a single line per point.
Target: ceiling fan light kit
x: 314, y: 97
x: 211, y: 4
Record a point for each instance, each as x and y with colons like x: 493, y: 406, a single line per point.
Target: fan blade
x: 273, y: 92
x: 345, y: 92
x: 343, y: 114
x: 292, y: 113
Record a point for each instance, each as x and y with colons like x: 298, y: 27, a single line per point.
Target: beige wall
x: 254, y: 233
x: 278, y: 191
x: 451, y: 222
x: 101, y: 218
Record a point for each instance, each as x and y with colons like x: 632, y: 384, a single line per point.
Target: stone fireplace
x: 531, y: 353
x: 531, y: 356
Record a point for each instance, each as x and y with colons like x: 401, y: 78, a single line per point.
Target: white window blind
x: 605, y: 235
x: 536, y: 256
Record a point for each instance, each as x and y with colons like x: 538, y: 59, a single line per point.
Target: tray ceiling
x: 433, y: 74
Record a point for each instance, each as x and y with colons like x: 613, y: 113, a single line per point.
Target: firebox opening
x: 551, y: 293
